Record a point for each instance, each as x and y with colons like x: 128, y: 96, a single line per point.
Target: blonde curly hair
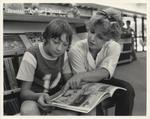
x: 111, y: 21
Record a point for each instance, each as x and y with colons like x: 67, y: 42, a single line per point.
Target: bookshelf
x: 11, y: 106
x: 38, y: 18
x: 14, y: 48
x: 15, y: 45
x: 125, y: 56
x: 11, y: 88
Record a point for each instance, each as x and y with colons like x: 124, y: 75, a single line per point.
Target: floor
x: 135, y: 73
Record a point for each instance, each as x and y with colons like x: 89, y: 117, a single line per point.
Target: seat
x: 102, y: 108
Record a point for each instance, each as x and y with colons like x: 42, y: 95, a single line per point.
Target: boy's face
x: 57, y: 46
x: 96, y: 38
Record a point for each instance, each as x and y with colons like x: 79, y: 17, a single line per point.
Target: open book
x: 84, y: 99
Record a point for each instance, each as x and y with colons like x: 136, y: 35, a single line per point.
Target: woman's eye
x: 92, y: 31
x: 99, y: 36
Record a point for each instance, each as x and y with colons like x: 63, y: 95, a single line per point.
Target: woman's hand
x: 74, y: 82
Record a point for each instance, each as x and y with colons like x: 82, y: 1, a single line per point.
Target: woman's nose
x: 92, y: 38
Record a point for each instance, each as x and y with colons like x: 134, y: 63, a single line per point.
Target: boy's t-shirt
x: 44, y: 72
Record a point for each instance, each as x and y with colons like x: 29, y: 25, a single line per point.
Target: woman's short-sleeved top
x: 81, y: 59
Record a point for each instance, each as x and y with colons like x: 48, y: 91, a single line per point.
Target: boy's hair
x: 56, y: 28
x: 111, y: 21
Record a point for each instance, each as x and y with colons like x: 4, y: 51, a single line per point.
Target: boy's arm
x: 26, y: 93
x: 26, y: 75
x: 41, y: 98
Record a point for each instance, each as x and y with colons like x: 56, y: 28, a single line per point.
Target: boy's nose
x: 59, y: 47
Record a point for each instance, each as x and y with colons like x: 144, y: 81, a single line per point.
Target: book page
x: 85, y: 98
x: 111, y: 89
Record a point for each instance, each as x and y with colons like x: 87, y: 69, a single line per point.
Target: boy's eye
x: 56, y: 41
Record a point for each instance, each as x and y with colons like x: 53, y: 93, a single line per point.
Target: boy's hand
x: 42, y: 101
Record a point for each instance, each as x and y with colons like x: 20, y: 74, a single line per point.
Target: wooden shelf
x: 38, y: 18
x: 13, y: 53
x: 125, y: 61
x: 126, y: 40
x: 7, y: 92
x: 128, y: 51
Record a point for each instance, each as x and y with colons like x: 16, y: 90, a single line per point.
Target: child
x: 43, y: 67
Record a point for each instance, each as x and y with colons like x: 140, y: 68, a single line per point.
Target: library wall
x: 21, y: 27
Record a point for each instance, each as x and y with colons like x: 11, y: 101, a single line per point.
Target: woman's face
x: 96, y: 37
x: 57, y: 46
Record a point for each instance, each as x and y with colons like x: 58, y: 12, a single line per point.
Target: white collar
x: 93, y: 63
x: 43, y: 53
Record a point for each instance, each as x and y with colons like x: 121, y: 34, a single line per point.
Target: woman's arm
x: 103, y: 71
x: 91, y: 76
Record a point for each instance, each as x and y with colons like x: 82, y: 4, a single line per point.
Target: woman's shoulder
x: 113, y: 45
x: 80, y: 45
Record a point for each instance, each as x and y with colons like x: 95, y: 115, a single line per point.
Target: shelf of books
x: 11, y: 88
x: 37, y: 18
x: 15, y: 45
x: 11, y: 106
x: 125, y: 56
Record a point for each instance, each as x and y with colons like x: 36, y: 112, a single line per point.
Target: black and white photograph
x: 56, y: 56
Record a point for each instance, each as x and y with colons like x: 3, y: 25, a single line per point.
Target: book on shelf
x: 11, y: 106
x: 84, y: 99
x: 6, y: 82
x: 10, y: 73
